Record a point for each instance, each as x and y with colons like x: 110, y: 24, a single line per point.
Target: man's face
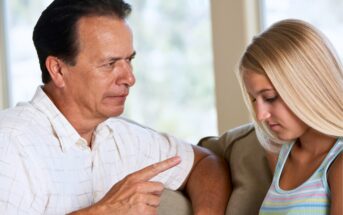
x: 98, y: 84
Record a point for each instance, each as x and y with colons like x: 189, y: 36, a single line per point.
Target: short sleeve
x: 164, y: 146
x: 152, y: 147
x: 136, y: 147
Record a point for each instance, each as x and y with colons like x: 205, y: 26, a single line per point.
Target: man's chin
x: 115, y: 113
x: 108, y: 111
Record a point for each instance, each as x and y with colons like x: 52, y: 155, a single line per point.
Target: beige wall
x: 3, y: 77
x: 234, y: 22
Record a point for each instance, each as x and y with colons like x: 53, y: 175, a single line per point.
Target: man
x: 66, y: 151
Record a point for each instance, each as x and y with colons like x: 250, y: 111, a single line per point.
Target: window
x: 174, y: 91
x: 175, y: 86
x: 24, y: 73
x: 325, y: 15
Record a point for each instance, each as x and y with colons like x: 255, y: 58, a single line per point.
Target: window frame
x: 3, y: 58
x: 242, y: 21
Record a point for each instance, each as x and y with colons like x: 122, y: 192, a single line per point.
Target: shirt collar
x: 101, y: 133
x: 65, y: 132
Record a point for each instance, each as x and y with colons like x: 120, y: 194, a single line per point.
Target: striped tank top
x: 311, y: 197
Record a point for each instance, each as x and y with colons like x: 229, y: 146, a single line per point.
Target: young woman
x: 292, y: 82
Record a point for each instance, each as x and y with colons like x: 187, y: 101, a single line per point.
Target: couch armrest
x: 250, y: 173
x: 174, y: 203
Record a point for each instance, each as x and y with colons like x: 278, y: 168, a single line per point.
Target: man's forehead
x: 102, y: 28
x: 101, y: 21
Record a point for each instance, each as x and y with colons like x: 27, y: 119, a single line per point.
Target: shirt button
x: 82, y: 144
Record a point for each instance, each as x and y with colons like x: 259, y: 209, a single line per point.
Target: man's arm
x: 209, y: 184
x: 135, y: 194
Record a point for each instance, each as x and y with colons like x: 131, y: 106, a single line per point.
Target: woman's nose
x: 262, y: 112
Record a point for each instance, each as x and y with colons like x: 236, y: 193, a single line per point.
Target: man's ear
x: 56, y: 68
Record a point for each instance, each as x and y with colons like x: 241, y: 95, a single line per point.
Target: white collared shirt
x: 46, y: 167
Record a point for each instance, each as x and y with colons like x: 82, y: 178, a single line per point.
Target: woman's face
x: 271, y: 109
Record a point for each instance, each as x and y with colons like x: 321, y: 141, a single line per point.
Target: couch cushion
x: 250, y: 173
x: 174, y: 203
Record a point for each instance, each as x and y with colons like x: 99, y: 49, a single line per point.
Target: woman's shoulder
x: 335, y: 168
x: 335, y: 178
x: 335, y: 172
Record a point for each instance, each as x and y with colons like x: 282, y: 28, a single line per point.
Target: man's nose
x: 127, y: 76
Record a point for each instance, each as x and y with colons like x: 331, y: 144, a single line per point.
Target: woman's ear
x: 55, y: 67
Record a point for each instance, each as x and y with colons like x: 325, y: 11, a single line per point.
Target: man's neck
x: 84, y: 126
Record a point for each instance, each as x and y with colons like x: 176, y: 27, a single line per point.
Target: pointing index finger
x: 150, y: 171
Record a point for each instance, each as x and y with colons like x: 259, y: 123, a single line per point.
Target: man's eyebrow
x: 133, y: 54
x: 119, y: 58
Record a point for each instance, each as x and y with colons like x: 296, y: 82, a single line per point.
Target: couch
x: 250, y: 173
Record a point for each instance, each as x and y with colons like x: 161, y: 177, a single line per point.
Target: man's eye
x: 110, y: 64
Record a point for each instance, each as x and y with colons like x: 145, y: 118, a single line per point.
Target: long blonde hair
x: 305, y: 71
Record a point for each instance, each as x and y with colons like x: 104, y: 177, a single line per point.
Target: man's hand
x: 135, y: 194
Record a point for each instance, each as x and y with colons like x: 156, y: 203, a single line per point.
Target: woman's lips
x: 274, y: 126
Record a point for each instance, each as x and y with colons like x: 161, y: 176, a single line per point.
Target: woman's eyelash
x: 271, y: 99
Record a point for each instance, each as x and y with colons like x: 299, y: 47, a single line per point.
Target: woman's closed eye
x: 271, y: 99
